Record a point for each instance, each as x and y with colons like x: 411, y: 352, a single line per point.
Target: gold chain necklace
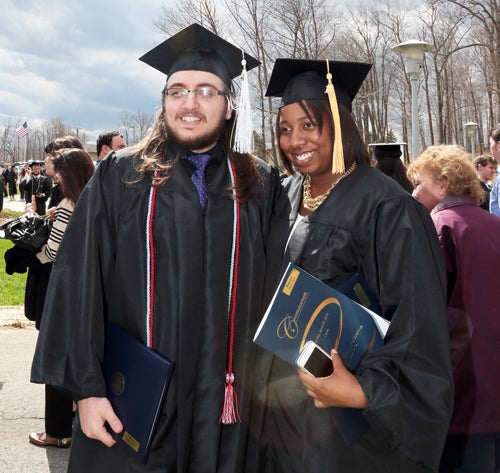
x: 312, y: 203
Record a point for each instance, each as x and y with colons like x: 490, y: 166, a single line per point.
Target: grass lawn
x: 11, y: 287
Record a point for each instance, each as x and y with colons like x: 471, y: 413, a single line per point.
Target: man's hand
x: 94, y: 412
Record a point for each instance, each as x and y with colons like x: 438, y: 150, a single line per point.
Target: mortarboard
x: 387, y: 150
x: 196, y: 49
x: 36, y: 163
x: 301, y: 79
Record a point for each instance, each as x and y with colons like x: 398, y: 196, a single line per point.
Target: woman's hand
x: 340, y: 389
x: 52, y: 213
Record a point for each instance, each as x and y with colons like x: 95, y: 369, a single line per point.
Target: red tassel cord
x: 230, y: 414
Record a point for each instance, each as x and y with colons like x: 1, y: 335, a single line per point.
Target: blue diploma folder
x: 137, y: 379
x: 304, y: 308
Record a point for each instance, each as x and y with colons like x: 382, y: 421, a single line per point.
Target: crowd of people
x: 35, y: 185
x: 182, y: 239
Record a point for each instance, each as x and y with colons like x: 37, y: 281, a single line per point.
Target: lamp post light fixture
x: 470, y: 129
x: 413, y: 55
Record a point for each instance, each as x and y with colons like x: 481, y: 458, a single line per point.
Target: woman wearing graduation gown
x: 145, y: 251
x: 342, y: 217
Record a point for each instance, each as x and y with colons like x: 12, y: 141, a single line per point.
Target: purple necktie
x: 199, y: 163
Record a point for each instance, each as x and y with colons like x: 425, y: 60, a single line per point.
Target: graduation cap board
x: 197, y: 49
x: 387, y: 150
x: 295, y: 80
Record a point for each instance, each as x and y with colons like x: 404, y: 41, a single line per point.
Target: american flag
x: 22, y: 130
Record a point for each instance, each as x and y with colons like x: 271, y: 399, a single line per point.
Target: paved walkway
x: 21, y: 402
x: 16, y: 205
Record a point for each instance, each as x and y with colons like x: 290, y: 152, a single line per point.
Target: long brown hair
x: 74, y: 167
x: 67, y: 141
x: 153, y: 150
x: 319, y: 112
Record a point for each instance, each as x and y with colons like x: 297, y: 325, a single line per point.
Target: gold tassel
x: 338, y: 166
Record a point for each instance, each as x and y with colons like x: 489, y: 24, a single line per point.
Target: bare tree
x: 485, y: 14
x: 127, y: 128
x: 142, y: 122
x: 204, y: 12
x: 302, y: 28
x: 253, y: 19
x: 6, y: 142
x: 460, y: 78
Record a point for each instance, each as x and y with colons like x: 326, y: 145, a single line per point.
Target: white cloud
x: 77, y: 60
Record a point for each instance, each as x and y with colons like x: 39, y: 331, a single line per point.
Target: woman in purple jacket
x: 445, y: 181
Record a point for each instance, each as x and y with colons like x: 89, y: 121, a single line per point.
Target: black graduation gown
x: 38, y: 185
x: 100, y: 273
x: 486, y: 202
x: 370, y: 224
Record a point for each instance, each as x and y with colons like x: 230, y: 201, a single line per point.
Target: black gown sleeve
x: 71, y: 340
x: 408, y: 382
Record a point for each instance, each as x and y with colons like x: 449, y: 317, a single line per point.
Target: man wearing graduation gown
x: 366, y: 224
x: 38, y: 187
x: 147, y: 251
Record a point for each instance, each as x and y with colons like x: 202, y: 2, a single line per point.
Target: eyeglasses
x: 203, y: 93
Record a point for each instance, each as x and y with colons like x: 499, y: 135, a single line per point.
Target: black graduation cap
x: 301, y: 79
x: 36, y: 163
x: 387, y: 150
x: 195, y: 48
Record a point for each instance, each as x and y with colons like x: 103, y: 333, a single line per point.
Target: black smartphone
x: 315, y: 361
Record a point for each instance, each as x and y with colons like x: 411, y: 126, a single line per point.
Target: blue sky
x: 77, y: 60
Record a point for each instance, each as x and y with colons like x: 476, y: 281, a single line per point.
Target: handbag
x: 29, y: 231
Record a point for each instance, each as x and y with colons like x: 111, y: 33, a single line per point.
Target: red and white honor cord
x: 230, y: 413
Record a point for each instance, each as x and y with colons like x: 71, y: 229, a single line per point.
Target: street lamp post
x: 470, y: 128
x: 413, y: 56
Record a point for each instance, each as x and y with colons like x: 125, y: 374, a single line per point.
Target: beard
x: 202, y: 141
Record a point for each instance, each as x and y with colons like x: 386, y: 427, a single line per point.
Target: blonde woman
x: 446, y: 183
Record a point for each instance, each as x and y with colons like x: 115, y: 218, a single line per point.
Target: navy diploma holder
x: 137, y: 379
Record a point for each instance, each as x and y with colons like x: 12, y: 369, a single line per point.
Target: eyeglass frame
x: 184, y: 92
